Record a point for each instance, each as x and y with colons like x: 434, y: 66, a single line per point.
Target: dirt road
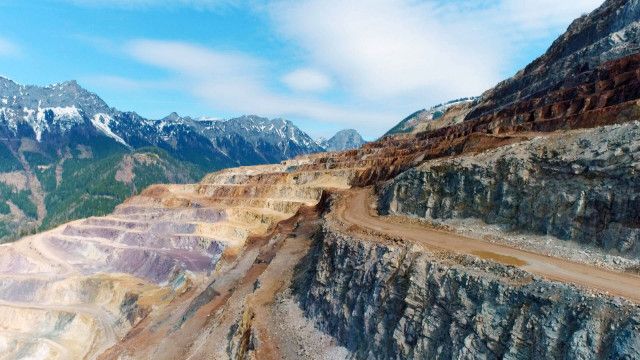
x: 356, y: 211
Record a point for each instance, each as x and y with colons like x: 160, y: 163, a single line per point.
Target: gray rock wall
x: 581, y: 186
x: 392, y: 302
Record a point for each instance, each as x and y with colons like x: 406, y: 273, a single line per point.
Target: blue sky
x: 324, y: 64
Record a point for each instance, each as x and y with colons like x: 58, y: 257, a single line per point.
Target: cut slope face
x: 610, y: 32
x: 579, y: 186
x: 387, y: 298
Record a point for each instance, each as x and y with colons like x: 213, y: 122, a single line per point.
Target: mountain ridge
x: 605, y: 34
x: 609, y: 32
x: 60, y: 131
x: 51, y: 111
x: 430, y: 119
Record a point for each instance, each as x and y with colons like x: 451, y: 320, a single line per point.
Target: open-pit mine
x: 512, y: 232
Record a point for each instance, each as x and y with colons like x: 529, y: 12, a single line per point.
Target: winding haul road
x: 355, y: 210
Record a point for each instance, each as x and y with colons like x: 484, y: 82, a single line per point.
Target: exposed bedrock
x: 397, y: 302
x: 583, y: 186
x: 610, y: 32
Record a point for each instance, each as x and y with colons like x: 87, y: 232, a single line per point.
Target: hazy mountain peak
x: 172, y: 117
x: 6, y: 81
x: 277, y: 132
x: 343, y: 140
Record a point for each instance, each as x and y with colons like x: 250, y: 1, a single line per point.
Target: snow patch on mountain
x: 41, y: 119
x: 101, y: 122
x: 51, y: 113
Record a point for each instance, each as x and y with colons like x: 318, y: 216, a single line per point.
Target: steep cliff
x: 608, y: 33
x: 385, y: 301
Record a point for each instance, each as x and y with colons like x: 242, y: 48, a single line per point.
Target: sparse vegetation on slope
x: 91, y: 188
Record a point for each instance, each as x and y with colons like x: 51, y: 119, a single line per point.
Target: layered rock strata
x: 610, y: 32
x: 580, y: 186
x: 75, y: 291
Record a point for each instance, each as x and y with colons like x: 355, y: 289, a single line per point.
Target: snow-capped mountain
x: 343, y: 140
x: 258, y: 140
x: 82, y: 157
x: 50, y: 110
x: 57, y: 114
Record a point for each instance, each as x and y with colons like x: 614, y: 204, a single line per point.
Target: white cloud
x: 382, y: 58
x: 237, y: 83
x: 307, y: 80
x: 382, y: 49
x: 409, y: 51
x: 193, y: 60
x: 542, y: 15
x: 124, y: 83
x: 8, y: 48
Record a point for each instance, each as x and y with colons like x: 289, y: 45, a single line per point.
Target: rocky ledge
x: 580, y: 185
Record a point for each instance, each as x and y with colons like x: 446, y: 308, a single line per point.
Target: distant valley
x: 65, y: 154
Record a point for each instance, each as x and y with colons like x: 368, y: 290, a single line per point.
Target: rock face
x: 588, y: 78
x: 343, y: 140
x: 394, y: 302
x: 610, y: 32
x: 582, y: 186
x: 566, y: 80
